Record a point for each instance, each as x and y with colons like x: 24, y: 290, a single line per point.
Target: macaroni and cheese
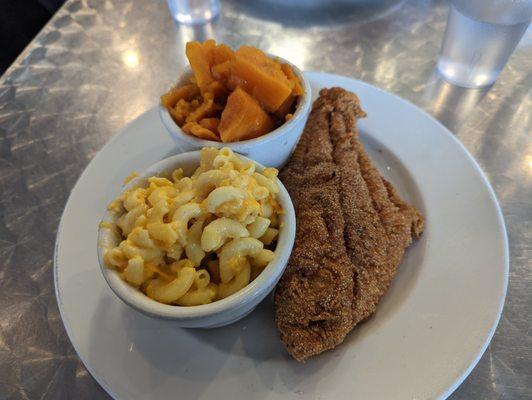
x: 193, y: 240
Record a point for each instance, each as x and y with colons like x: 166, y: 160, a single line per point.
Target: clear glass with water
x: 193, y: 12
x: 480, y: 37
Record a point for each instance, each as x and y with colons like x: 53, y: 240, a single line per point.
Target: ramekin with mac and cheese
x: 193, y: 240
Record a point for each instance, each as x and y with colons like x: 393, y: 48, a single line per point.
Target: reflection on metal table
x: 99, y: 64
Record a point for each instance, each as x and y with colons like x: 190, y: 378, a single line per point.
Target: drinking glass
x: 192, y: 12
x: 479, y: 38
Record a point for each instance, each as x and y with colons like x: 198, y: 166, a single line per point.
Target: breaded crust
x: 352, y: 231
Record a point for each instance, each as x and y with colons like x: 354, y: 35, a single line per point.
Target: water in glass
x: 194, y: 11
x: 480, y: 37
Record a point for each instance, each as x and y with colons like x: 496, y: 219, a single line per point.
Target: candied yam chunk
x: 287, y: 70
x: 234, y: 81
x: 268, y: 90
x: 254, y: 55
x: 195, y: 129
x: 286, y: 106
x: 208, y: 48
x: 210, y: 124
x: 186, y: 92
x: 222, y: 71
x: 199, y: 60
x: 298, y: 90
x: 267, y: 64
x: 218, y: 90
x: 182, y: 109
x: 222, y: 53
x: 206, y: 109
x: 243, y: 118
x: 261, y: 76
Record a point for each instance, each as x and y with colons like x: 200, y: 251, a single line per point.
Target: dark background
x: 20, y: 21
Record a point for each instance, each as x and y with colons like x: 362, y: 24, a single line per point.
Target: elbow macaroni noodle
x: 193, y: 240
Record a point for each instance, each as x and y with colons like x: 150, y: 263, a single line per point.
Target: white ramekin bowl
x: 220, y: 312
x: 271, y: 149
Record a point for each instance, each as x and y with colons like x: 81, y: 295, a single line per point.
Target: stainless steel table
x: 98, y: 64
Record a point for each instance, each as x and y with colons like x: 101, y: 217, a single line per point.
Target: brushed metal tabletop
x: 98, y: 64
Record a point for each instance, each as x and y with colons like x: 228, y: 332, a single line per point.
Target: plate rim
x: 311, y: 76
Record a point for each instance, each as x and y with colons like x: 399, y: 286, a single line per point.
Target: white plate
x: 429, y: 331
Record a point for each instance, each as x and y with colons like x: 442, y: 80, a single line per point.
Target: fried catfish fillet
x: 352, y: 231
